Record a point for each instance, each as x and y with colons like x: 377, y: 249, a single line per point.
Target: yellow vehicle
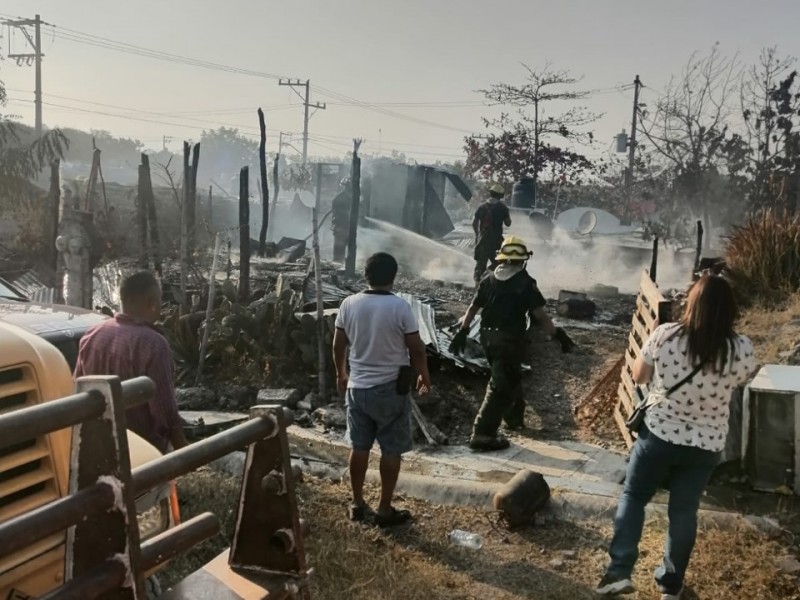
x: 33, y: 370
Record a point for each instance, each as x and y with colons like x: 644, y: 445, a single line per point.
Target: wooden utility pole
x: 306, y: 104
x: 629, y: 174
x: 355, y: 206
x: 146, y: 187
x: 277, y: 185
x: 54, y: 198
x: 244, y: 234
x: 262, y: 165
x: 318, y: 281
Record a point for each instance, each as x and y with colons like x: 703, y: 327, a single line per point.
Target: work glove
x: 562, y: 338
x: 459, y: 343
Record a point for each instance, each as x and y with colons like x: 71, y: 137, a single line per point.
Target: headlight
x: 154, y: 520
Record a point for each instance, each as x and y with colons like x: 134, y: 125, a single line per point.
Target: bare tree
x: 542, y: 86
x: 688, y: 125
x: 764, y: 137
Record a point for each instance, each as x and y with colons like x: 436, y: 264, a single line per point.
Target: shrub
x: 763, y: 258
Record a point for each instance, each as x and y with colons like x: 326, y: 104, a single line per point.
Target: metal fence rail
x: 104, y: 556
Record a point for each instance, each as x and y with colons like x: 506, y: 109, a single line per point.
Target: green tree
x: 21, y: 161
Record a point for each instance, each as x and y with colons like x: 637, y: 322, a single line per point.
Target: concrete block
x: 281, y: 396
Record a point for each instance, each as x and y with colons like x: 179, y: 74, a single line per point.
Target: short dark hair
x: 137, y: 286
x: 381, y: 269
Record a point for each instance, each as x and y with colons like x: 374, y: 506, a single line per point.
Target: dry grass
x: 773, y: 331
x: 554, y: 561
x: 763, y: 258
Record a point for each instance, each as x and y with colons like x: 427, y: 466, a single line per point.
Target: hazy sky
x: 432, y: 53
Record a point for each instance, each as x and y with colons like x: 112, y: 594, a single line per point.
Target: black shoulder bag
x: 634, y: 423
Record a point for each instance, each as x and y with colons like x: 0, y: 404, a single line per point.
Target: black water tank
x: 523, y: 194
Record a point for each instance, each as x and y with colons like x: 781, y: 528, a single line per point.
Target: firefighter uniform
x: 488, y: 225
x: 507, y: 297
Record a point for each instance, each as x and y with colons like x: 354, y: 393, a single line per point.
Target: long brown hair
x: 708, y: 322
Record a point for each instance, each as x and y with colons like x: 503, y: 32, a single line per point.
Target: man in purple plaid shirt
x: 130, y: 346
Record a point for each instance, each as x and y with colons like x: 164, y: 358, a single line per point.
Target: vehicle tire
x: 152, y: 587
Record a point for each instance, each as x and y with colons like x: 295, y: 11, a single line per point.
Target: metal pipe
x: 187, y: 459
x: 138, y: 390
x: 94, y: 583
x: 24, y: 530
x: 173, y: 542
x: 31, y: 422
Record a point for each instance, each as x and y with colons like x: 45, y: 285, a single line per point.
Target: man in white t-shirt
x: 383, y: 336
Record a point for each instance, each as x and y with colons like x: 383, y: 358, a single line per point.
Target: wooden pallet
x: 644, y: 322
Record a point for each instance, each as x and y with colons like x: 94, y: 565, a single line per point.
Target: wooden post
x: 654, y: 261
x: 277, y: 185
x: 244, y: 234
x: 355, y: 205
x: 184, y: 265
x: 210, y: 208
x: 146, y: 187
x: 699, y: 248
x: 51, y: 233
x: 318, y: 280
x: 191, y: 207
x: 262, y: 165
x: 212, y: 288
x: 141, y: 216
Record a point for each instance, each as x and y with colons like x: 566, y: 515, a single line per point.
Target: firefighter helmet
x: 498, y: 189
x: 514, y: 249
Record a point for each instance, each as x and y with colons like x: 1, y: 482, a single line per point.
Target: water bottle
x: 466, y: 539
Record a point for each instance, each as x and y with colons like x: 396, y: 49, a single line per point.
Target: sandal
x: 396, y: 517
x: 359, y: 513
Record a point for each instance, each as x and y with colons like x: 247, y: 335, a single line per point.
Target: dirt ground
x: 557, y: 383
x: 555, y: 560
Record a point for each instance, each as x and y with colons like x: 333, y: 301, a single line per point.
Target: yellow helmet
x: 497, y: 189
x: 513, y: 248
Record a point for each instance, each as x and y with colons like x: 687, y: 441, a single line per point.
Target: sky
x: 401, y: 75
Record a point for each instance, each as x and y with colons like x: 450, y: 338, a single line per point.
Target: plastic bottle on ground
x: 459, y: 537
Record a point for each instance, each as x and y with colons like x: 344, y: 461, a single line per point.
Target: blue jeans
x: 685, y: 471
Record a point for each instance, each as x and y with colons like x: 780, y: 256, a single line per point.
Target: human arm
x: 642, y: 372
x: 163, y: 406
x: 475, y: 225
x: 507, y: 217
x: 340, y: 343
x: 419, y: 360
x: 644, y: 365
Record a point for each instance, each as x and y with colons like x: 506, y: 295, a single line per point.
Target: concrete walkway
x: 567, y: 466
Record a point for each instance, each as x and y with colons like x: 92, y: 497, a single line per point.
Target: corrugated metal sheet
x: 426, y: 318
x: 34, y: 289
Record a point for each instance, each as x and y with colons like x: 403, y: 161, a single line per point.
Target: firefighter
x: 488, y: 227
x: 508, y: 296
x: 340, y: 219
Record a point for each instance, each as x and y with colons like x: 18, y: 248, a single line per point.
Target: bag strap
x: 687, y: 379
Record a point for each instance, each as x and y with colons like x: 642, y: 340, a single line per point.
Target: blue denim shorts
x: 379, y: 413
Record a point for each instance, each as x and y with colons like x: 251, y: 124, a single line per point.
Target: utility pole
x: 296, y: 83
x: 637, y: 85
x: 34, y: 58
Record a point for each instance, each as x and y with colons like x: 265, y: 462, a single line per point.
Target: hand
x: 459, y: 343
x: 423, y: 386
x: 341, y: 383
x: 567, y: 345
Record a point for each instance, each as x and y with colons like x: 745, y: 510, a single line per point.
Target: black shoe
x: 614, y: 586
x: 515, y: 426
x: 488, y: 443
